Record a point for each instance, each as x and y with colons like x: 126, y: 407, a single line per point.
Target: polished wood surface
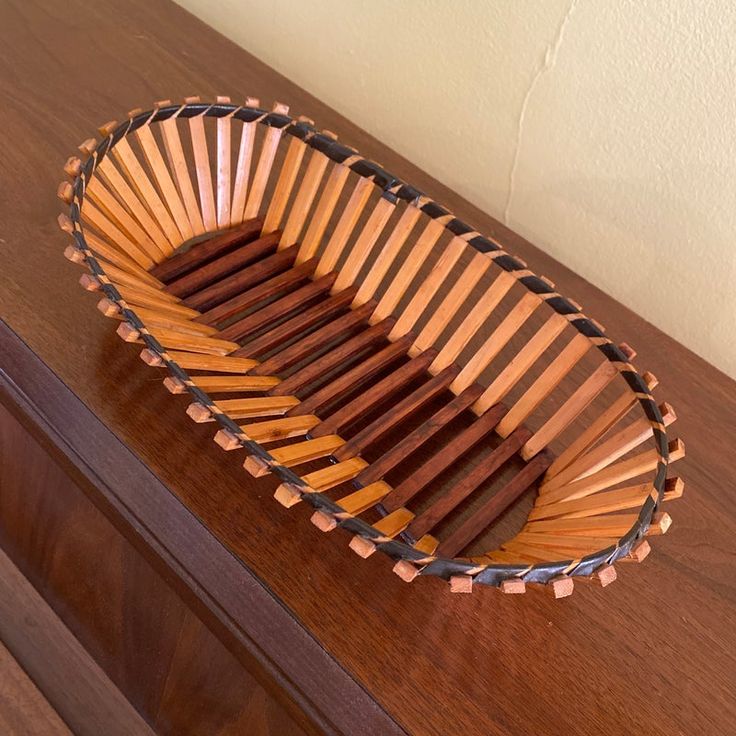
x: 652, y: 653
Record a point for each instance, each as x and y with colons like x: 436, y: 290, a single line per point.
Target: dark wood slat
x: 301, y: 322
x: 376, y: 394
x: 354, y: 377
x: 449, y: 454
x: 472, y: 527
x: 491, y: 462
x: 265, y: 290
x: 313, y: 342
x: 401, y: 411
x: 242, y: 280
x: 420, y: 435
x: 349, y: 349
x: 206, y: 251
x: 277, y: 310
x: 224, y: 265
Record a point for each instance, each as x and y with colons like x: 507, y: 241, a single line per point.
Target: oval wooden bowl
x: 397, y: 370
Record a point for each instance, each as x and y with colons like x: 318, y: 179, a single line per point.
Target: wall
x: 600, y: 130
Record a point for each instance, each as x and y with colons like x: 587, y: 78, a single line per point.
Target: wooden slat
x: 571, y: 409
x: 496, y: 341
x: 119, y: 259
x: 335, y: 357
x: 333, y: 475
x: 280, y: 429
x: 137, y: 298
x: 414, y: 261
x: 428, y: 288
x: 543, y: 386
x: 224, y: 181
x: 521, y: 362
x: 263, y: 168
x: 490, y: 462
x: 173, y: 339
x: 386, y: 255
x: 202, y: 167
x: 464, y: 534
x: 248, y: 408
x: 451, y: 452
x: 242, y: 167
x: 178, y: 164
x: 193, y: 361
x: 304, y: 198
x: 157, y: 318
x: 222, y: 384
x: 364, y: 244
x: 415, y: 439
x: 345, y: 226
x: 297, y: 454
x: 456, y: 297
x: 398, y: 413
x: 284, y: 184
x: 478, y: 314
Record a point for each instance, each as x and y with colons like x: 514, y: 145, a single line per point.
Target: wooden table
x: 209, y: 607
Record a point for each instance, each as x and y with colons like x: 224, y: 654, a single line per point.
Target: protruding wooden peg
x: 106, y: 129
x: 161, y: 103
x: 561, y: 586
x: 604, y: 575
x: 88, y: 282
x: 223, y: 99
x: 65, y: 192
x: 362, y: 547
x: 324, y: 522
x: 72, y: 167
x: 280, y: 109
x: 256, y: 466
x: 150, y: 358
x: 287, y: 495
x: 227, y: 440
x: 74, y: 255
x: 128, y: 332
x: 86, y: 147
x: 661, y: 523
x: 512, y: 586
x: 193, y: 100
x: 406, y: 570
x: 135, y: 111
x: 252, y: 102
x: 627, y: 350
x: 461, y: 584
x: 65, y: 223
x: 175, y: 385
x: 638, y: 553
x: 199, y: 412
x: 673, y: 488
x: 108, y: 307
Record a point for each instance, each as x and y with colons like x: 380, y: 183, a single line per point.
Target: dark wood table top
x: 655, y: 653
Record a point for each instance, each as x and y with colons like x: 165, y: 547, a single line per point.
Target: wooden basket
x: 398, y: 371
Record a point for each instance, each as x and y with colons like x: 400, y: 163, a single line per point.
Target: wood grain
x: 649, y: 654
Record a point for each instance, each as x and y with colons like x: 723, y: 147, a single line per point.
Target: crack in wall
x: 548, y: 62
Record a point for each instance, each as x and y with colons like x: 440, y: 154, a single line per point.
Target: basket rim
x: 393, y: 189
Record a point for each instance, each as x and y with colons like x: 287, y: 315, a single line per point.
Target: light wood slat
x: 363, y: 499
x: 117, y: 183
x: 135, y: 297
x: 242, y: 168
x: 178, y: 164
x: 280, y: 429
x: 550, y: 378
x: 249, y: 408
x: 610, y: 450
x: 297, y: 454
x: 157, y: 165
x: 478, y: 314
x: 619, y: 472
x: 621, y: 499
x: 198, y: 362
x: 202, y: 168
x: 521, y: 362
x: 95, y: 218
x: 284, y: 185
x: 597, y: 429
x: 531, y: 554
x: 363, y: 244
x: 450, y: 305
x: 334, y: 475
x: 428, y: 288
x: 414, y: 260
x: 128, y: 162
x: 386, y: 256
x: 173, y: 339
x: 222, y: 384
x: 304, y: 198
x: 119, y: 259
x: 117, y: 276
x: 157, y: 318
x: 224, y: 180
x: 106, y: 201
x: 345, y: 226
x: 571, y: 409
x: 263, y: 168
x: 610, y: 525
x: 496, y: 341
x: 323, y: 212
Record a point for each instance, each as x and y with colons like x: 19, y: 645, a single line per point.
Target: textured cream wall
x: 602, y: 130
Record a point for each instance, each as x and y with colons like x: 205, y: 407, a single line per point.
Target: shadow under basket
x: 396, y: 370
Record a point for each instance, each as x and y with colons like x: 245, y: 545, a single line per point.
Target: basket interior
x: 404, y: 375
